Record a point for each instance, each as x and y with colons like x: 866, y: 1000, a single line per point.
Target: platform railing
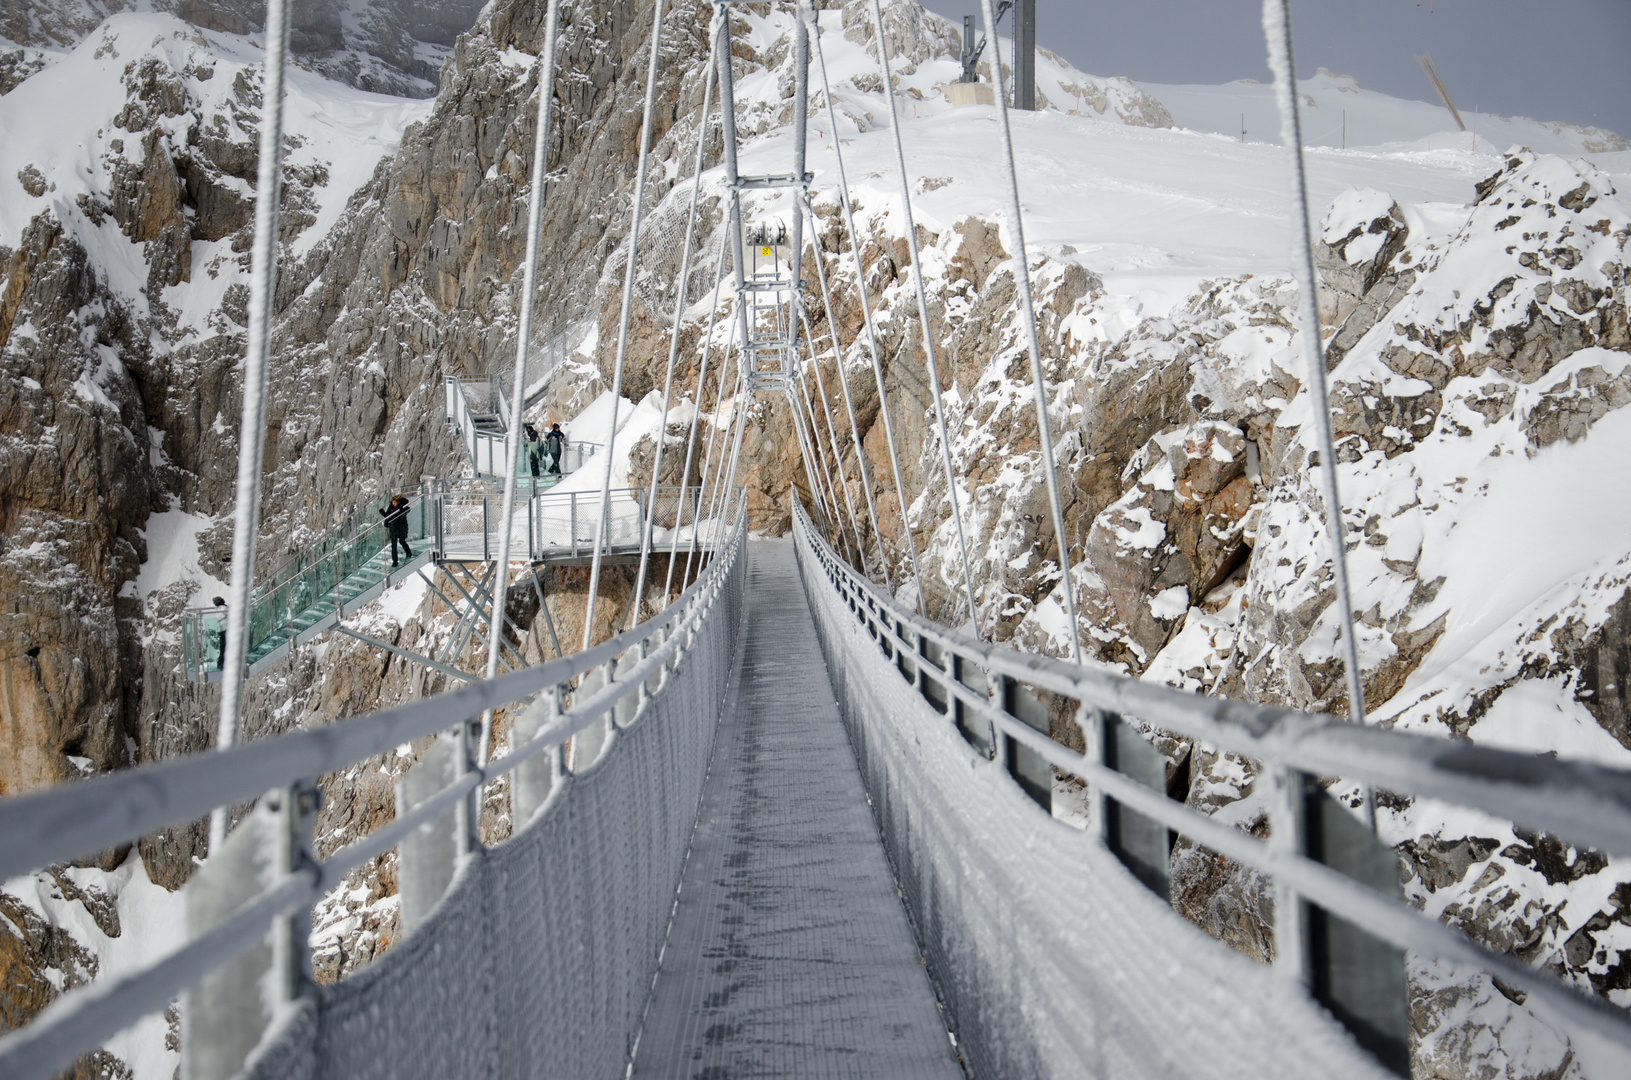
x: 466, y: 400
x: 299, y: 586
x: 668, y: 672
x: 554, y: 525
x: 1341, y: 926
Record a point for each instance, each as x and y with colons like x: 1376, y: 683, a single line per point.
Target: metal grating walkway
x: 790, y: 953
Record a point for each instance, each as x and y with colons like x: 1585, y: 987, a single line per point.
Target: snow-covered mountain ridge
x: 383, y: 46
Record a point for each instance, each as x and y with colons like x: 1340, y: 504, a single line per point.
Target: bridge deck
x: 790, y: 953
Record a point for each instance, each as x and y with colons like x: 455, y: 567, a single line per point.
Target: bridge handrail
x: 1580, y: 800
x: 100, y: 812
x: 1590, y: 803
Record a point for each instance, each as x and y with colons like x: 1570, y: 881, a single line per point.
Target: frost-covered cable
x: 710, y: 468
x: 674, y: 346
x: 523, y: 335
x: 823, y: 499
x: 1277, y: 32
x: 1027, y: 307
x: 871, y: 330
x: 252, y: 425
x: 849, y: 401
x: 832, y: 438
x: 729, y: 491
x: 603, y: 530
x: 724, y: 484
x: 813, y: 428
x: 696, y: 416
x: 923, y: 313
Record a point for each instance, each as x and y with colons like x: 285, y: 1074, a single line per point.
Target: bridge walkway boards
x: 790, y: 954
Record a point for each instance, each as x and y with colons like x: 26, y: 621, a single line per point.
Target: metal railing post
x: 296, y: 806
x: 467, y: 817
x: 1288, y: 837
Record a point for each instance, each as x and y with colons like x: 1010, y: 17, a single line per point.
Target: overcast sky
x: 1566, y: 60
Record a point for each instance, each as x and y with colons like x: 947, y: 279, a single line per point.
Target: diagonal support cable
x: 1027, y: 306
x: 923, y: 312
x: 523, y: 333
x: 871, y: 330
x: 674, y: 344
x: 849, y: 401
x: 832, y: 438
x: 696, y: 417
x: 603, y: 530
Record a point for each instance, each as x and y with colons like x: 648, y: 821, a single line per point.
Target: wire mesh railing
x: 1341, y: 927
x: 496, y: 974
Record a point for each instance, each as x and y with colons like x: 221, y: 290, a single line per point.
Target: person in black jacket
x: 534, y: 449
x: 554, y: 443
x: 221, y: 648
x: 396, y: 524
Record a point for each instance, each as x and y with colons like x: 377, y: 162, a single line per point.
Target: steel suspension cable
x: 711, y: 468
x: 832, y: 437
x: 849, y: 401
x: 603, y: 530
x: 263, y: 261
x: 736, y: 449
x: 696, y: 416
x: 674, y: 344
x: 871, y: 330
x: 523, y: 336
x: 1277, y: 32
x: 1022, y: 275
x: 819, y: 492
x: 923, y: 312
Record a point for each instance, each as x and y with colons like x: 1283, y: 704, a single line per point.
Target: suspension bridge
x: 787, y: 826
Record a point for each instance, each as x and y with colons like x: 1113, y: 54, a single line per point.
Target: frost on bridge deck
x: 790, y: 953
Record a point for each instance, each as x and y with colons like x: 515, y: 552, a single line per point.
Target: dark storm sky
x: 1566, y: 60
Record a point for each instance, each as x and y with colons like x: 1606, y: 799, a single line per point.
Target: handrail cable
x: 839, y: 366
x: 832, y: 438
x: 1277, y: 32
x: 263, y: 261
x: 696, y: 416
x: 871, y: 330
x: 674, y: 343
x: 923, y: 317
x: 523, y: 335
x: 1022, y: 275
x: 603, y: 529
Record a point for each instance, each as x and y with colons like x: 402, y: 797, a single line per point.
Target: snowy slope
x: 62, y: 122
x: 1337, y: 108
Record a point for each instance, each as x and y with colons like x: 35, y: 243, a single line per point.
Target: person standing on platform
x: 535, y: 449
x: 396, y: 524
x: 555, y: 443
